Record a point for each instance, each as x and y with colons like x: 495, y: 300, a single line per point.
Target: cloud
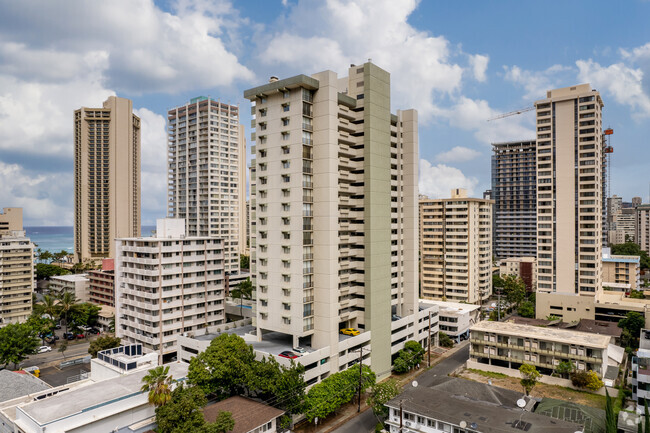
x: 153, y: 165
x: 458, y: 154
x: 479, y: 65
x: 437, y: 181
x: 140, y: 47
x: 624, y: 83
x: 424, y: 70
x: 536, y: 83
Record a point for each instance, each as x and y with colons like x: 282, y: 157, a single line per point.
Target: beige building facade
x: 621, y: 273
x: 642, y: 227
x: 167, y: 285
x: 333, y: 208
x: 456, y: 248
x: 16, y: 268
x: 107, y: 178
x: 569, y: 191
x: 522, y: 267
x: 207, y: 177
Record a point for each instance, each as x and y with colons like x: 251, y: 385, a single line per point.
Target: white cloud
x: 536, y: 83
x: 423, y: 67
x: 624, y: 83
x: 458, y: 154
x: 153, y: 165
x: 479, y: 64
x: 437, y: 181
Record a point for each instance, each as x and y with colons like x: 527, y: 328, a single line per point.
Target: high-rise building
x: 107, y: 178
x: 636, y: 201
x: 456, y: 248
x: 614, y: 205
x: 333, y: 209
x: 167, y: 285
x: 17, y: 266
x: 514, y: 192
x: 622, y: 226
x: 569, y: 191
x: 642, y: 227
x: 207, y: 179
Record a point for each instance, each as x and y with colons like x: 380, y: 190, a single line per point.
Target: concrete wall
x: 569, y: 307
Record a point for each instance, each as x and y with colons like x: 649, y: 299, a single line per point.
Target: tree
x: 610, y: 418
x: 103, y: 343
x: 46, y: 256
x: 380, y: 394
x: 408, y: 357
x: 244, y: 261
x: 47, y: 307
x: 63, y: 348
x: 444, y: 340
x: 529, y: 377
x: 552, y: 317
x: 84, y: 314
x: 45, y: 271
x: 514, y: 289
x: 564, y: 368
x: 633, y: 323
x: 67, y: 302
x: 637, y: 294
x: 223, y: 423
x: 17, y: 342
x: 158, y: 384
x: 223, y: 368
x: 497, y: 281
x: 182, y: 413
x: 526, y: 309
x: 243, y: 291
x: 586, y: 379
x: 632, y: 249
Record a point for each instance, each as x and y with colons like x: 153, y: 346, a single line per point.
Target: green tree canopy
x: 444, y: 340
x: 66, y: 302
x: 632, y: 324
x: 632, y: 249
x: 244, y: 290
x: 380, y: 394
x: 244, y: 261
x: 514, y: 289
x: 182, y: 413
x: 564, y: 368
x: 497, y: 281
x: 158, y: 384
x: 17, y: 342
x: 408, y: 357
x: 222, y: 424
x: 45, y: 271
x: 103, y: 343
x: 84, y: 314
x: 526, y: 309
x: 529, y: 377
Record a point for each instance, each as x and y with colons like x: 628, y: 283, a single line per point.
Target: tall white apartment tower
x: 569, y: 191
x: 206, y: 147
x: 334, y: 229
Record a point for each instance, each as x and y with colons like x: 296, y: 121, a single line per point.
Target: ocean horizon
x: 57, y: 238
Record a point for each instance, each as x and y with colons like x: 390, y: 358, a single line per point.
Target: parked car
x: 50, y: 341
x: 58, y: 326
x: 80, y: 335
x: 300, y: 350
x: 44, y: 349
x: 94, y: 331
x: 70, y: 337
x: 288, y: 354
x: 350, y: 331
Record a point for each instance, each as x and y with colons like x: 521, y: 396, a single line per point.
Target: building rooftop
x: 71, y: 277
x: 541, y: 333
x: 599, y: 327
x: 93, y: 395
x: 483, y: 416
x: 14, y: 385
x: 622, y: 259
x: 591, y: 418
x: 246, y: 413
x: 445, y: 306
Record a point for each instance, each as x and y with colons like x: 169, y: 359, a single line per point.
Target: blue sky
x: 458, y: 63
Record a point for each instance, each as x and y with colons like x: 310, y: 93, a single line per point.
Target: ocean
x: 57, y: 238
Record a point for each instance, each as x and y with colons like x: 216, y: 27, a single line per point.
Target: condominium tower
x: 642, y: 227
x: 514, y: 192
x: 167, y: 285
x: 107, y: 178
x: 569, y: 191
x: 333, y: 208
x: 16, y: 268
x: 207, y: 181
x: 456, y: 248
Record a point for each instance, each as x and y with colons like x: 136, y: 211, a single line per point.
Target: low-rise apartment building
x: 101, y: 285
x: 319, y: 363
x: 508, y: 345
x: 621, y: 273
x: 522, y: 267
x: 167, y: 285
x: 455, y: 318
x: 641, y: 372
x: 16, y: 268
x: 73, y: 283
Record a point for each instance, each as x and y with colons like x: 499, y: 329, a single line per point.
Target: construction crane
x: 512, y: 113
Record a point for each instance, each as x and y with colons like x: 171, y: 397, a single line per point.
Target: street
x: 366, y: 421
x: 75, y: 349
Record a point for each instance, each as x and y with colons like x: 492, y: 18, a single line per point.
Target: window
x: 360, y: 96
x: 286, y: 221
x: 262, y: 112
x: 286, y: 164
x: 285, y: 178
x: 286, y: 206
x: 285, y: 150
x: 286, y: 107
x: 286, y: 95
x: 285, y: 121
x: 285, y: 136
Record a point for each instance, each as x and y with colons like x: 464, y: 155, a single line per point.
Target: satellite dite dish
x: 414, y: 383
x: 462, y: 424
x: 521, y: 403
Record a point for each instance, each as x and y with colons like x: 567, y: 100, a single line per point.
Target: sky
x: 458, y: 63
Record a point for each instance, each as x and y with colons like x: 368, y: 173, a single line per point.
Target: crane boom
x: 511, y: 113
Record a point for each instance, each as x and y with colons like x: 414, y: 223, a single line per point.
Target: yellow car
x: 350, y: 331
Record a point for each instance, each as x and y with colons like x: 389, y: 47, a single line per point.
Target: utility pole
x: 429, y: 340
x: 400, y: 416
x: 360, y: 373
x: 499, y: 305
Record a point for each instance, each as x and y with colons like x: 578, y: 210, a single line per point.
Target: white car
x: 299, y: 350
x: 44, y: 349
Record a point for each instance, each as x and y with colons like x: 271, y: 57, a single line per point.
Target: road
x: 366, y: 421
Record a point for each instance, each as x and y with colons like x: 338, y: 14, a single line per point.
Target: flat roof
x: 287, y: 83
x: 488, y: 417
x: 450, y: 306
x: 71, y: 277
x: 622, y: 259
x: 95, y: 394
x: 541, y: 333
x: 14, y: 385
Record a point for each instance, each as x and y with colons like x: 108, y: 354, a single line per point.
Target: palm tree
x: 48, y: 306
x: 67, y: 302
x: 243, y: 291
x: 158, y: 384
